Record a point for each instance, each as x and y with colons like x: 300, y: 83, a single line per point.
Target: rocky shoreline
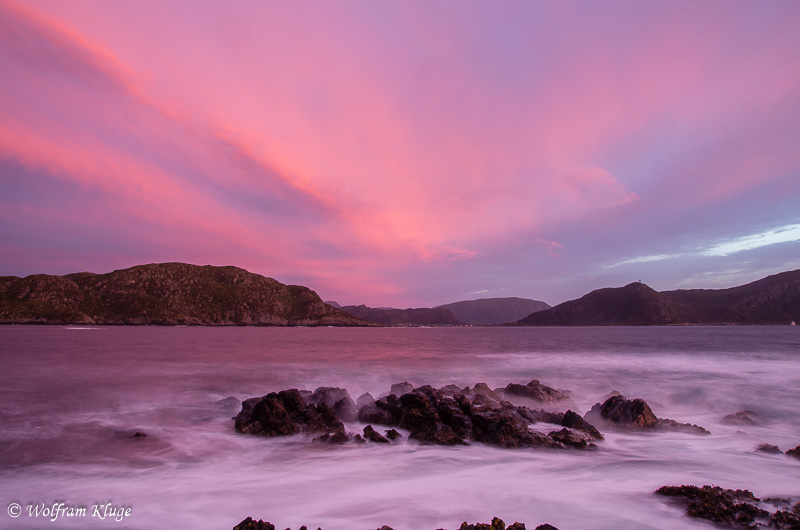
x: 516, y: 416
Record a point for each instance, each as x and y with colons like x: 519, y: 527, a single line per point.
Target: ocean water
x: 71, y: 398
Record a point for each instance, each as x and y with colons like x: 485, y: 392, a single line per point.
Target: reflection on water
x: 73, y: 399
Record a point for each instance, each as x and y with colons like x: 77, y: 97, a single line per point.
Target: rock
x: 384, y: 527
x: 634, y: 415
x: 285, y: 413
x: 794, y: 452
x: 386, y: 411
x: 768, y: 448
x: 496, y: 524
x: 336, y: 437
x: 229, y: 403
x: 536, y: 391
x: 545, y: 526
x: 732, y: 508
x: 365, y: 400
x: 507, y: 428
x: 250, y: 524
x: 674, y: 426
x: 573, y: 420
x: 138, y: 434
x: 569, y: 438
x: 393, y: 435
x: 446, y: 416
x: 398, y: 389
x: 743, y: 417
x: 336, y: 398
x: 373, y: 436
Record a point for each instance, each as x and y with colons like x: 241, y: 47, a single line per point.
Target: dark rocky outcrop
x: 634, y: 415
x: 731, y: 508
x: 165, y: 294
x: 771, y: 300
x: 446, y: 416
x: 490, y: 311
x: 286, y: 412
x: 794, y: 452
x: 389, y: 316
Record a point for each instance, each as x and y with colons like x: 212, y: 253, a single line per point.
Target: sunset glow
x: 404, y: 154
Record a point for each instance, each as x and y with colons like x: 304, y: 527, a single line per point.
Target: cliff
x: 165, y: 294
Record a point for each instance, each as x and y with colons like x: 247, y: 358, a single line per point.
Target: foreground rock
x: 635, y: 415
x: 794, y: 452
x: 732, y: 508
x: 496, y: 524
x: 446, y: 416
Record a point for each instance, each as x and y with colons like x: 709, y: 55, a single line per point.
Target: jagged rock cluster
x: 734, y: 508
x: 446, y: 416
x: 496, y: 524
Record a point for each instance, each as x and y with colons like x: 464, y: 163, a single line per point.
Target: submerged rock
x: 732, y: 508
x: 769, y: 448
x: 743, y: 417
x: 230, y: 403
x: 635, y: 415
x: 794, y: 452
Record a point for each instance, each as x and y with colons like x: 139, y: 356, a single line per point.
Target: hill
x: 488, y: 311
x: 165, y: 294
x: 404, y: 317
x: 771, y: 300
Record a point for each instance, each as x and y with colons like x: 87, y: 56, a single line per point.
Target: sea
x: 73, y: 398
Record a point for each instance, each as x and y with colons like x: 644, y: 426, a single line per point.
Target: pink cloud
x: 357, y: 145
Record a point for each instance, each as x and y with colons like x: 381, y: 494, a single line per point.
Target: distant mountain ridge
x: 771, y: 300
x: 404, y: 317
x: 165, y: 294
x: 489, y: 311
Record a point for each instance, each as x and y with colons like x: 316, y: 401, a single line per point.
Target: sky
x: 404, y: 154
